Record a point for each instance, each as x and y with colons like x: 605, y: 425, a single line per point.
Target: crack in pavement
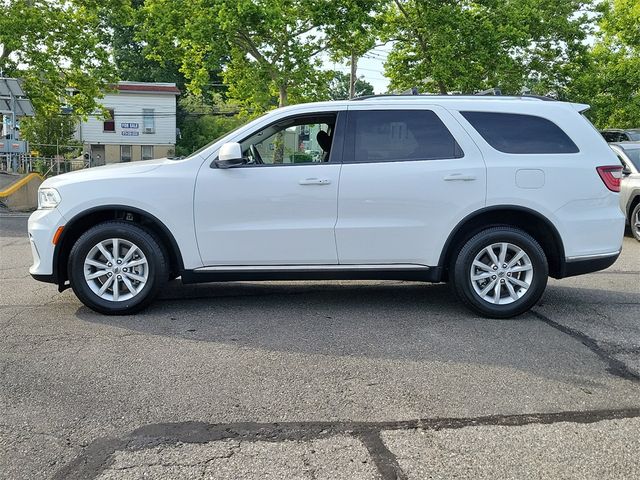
x: 97, y: 457
x: 614, y: 366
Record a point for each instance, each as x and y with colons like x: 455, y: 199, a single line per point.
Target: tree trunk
x: 282, y: 100
x: 442, y: 87
x: 353, y: 77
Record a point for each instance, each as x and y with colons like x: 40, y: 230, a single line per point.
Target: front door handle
x: 315, y: 181
x: 459, y: 177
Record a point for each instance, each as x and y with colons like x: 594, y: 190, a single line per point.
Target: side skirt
x: 418, y: 273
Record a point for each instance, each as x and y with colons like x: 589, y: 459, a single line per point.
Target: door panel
x: 268, y: 215
x: 403, y: 211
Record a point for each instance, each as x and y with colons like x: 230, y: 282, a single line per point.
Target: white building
x: 142, y: 124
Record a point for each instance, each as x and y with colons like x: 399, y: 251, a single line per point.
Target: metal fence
x: 45, y: 165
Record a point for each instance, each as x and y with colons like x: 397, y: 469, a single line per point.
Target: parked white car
x: 492, y: 194
x: 629, y: 155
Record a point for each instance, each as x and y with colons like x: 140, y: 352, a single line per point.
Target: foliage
x: 609, y: 79
x: 201, y: 123
x: 271, y: 47
x: 339, y: 87
x: 50, y: 134
x: 54, y: 45
x: 469, y: 45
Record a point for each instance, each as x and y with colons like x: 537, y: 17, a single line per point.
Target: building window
x: 109, y: 124
x: 125, y: 153
x: 147, y: 152
x: 148, y: 120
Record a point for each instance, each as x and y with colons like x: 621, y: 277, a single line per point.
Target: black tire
x: 158, y: 270
x: 461, y: 268
x: 633, y: 222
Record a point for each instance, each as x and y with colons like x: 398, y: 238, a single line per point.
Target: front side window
x: 295, y: 140
x: 109, y: 124
x: 125, y: 153
x: 398, y: 136
x: 520, y: 134
x: 148, y: 120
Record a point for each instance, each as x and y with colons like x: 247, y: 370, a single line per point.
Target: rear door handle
x: 459, y: 177
x: 315, y: 181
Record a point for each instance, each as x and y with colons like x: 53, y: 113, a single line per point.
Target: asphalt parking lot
x: 318, y: 380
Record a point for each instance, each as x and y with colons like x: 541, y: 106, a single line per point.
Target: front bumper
x: 42, y: 226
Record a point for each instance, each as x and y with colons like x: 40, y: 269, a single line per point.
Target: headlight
x: 48, y: 198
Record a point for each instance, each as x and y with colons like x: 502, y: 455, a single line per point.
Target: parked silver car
x: 621, y: 135
x: 629, y: 155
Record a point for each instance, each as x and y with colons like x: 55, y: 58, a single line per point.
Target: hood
x: 113, y: 170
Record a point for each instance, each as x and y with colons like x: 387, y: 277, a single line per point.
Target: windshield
x: 634, y: 136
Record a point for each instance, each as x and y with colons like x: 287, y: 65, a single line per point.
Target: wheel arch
x: 528, y: 220
x: 86, y: 219
x: 634, y: 199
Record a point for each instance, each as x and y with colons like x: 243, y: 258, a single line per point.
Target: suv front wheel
x: 117, y: 268
x: 501, y: 272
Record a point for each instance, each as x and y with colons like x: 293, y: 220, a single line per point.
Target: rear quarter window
x: 520, y: 134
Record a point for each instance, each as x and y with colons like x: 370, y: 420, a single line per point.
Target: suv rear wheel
x: 117, y: 268
x: 501, y: 272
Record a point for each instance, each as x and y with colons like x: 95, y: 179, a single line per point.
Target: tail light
x: 611, y: 175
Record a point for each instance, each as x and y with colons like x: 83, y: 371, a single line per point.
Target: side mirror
x: 230, y: 155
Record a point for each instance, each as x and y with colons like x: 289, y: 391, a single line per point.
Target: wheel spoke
x: 116, y: 289
x: 492, y: 255
x: 133, y: 276
x: 481, y: 276
x: 521, y: 268
x: 128, y: 284
x: 104, y: 252
x: 96, y: 274
x: 135, y: 263
x: 489, y: 286
x: 496, y: 292
x: 503, y: 253
x: 482, y: 266
x: 519, y: 283
x: 115, y: 249
x: 129, y: 254
x: 515, y: 259
x: 511, y: 290
x: 105, y: 285
x: 95, y: 263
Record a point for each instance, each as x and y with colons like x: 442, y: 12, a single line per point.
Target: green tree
x: 340, y: 85
x: 351, y: 29
x: 50, y: 134
x: 467, y: 45
x: 203, y: 122
x: 609, y: 80
x: 55, y: 46
x: 272, y: 46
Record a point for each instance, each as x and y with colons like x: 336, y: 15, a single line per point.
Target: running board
x: 227, y: 273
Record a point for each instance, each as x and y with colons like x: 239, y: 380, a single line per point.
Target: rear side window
x: 517, y: 133
x: 398, y: 136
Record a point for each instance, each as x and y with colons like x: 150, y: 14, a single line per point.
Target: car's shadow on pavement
x: 388, y: 320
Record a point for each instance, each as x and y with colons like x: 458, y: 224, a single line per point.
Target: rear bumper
x: 588, y: 264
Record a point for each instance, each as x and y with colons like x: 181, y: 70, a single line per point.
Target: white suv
x: 492, y: 194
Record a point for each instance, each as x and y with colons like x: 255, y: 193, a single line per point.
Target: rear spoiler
x: 580, y: 107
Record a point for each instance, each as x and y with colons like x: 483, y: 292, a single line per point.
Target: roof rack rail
x: 489, y: 92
